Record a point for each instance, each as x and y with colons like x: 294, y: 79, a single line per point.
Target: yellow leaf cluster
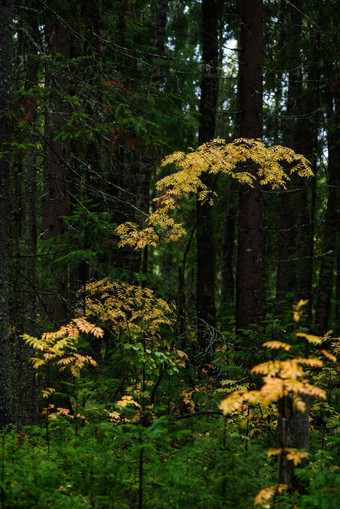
x: 281, y: 379
x: 263, y: 497
x: 245, y: 160
x: 296, y: 456
x: 277, y: 344
x: 298, y: 309
x: 292, y: 454
x: 59, y: 348
x: 127, y: 309
x: 127, y: 400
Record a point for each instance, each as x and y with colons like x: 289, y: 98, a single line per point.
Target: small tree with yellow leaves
x: 59, y: 349
x: 285, y: 383
x: 138, y: 325
x: 216, y: 158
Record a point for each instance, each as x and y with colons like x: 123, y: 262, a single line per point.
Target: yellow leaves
x: 65, y: 412
x: 233, y: 403
x: 76, y: 362
x: 263, y: 497
x: 127, y: 309
x: 245, y: 160
x: 34, y: 343
x: 296, y: 456
x: 46, y: 393
x: 298, y: 309
x: 273, y: 452
x: 59, y: 348
x: 71, y: 330
x: 218, y: 157
x: 329, y: 355
x: 280, y: 379
x: 36, y: 362
x: 314, y: 340
x: 299, y: 405
x: 114, y: 416
x: 277, y: 344
x: 292, y: 454
x: 188, y: 401
x: 131, y: 235
x: 127, y: 400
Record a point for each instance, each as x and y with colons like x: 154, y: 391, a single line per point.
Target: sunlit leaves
x: 277, y: 344
x: 127, y: 400
x: 59, y: 348
x: 292, y: 454
x: 314, y: 340
x: 127, y: 309
x: 329, y: 355
x: 235, y: 159
x: 298, y: 309
x: 264, y: 496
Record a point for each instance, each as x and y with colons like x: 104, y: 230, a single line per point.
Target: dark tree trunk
x: 304, y: 199
x: 326, y: 278
x: 56, y: 173
x: 292, y: 24
x: 16, y: 312
x: 249, y: 285
x: 293, y: 433
x: 147, y: 164
x: 6, y: 19
x: 206, y: 310
x: 298, y: 231
x: 227, y: 266
x: 30, y: 242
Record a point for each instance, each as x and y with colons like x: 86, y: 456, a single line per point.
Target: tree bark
x: 326, y: 277
x: 30, y: 240
x: 56, y: 173
x: 205, y: 303
x: 6, y: 20
x: 249, y: 285
x: 293, y: 433
x: 292, y: 25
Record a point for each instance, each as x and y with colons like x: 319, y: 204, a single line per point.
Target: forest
x: 169, y: 254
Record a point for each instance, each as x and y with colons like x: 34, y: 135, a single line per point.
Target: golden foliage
x: 59, y: 348
x: 292, y: 454
x: 245, y: 160
x: 281, y: 378
x: 296, y: 456
x: 314, y: 340
x: 277, y: 344
x: 263, y: 497
x: 298, y: 309
x: 127, y: 400
x: 127, y: 309
x: 329, y: 355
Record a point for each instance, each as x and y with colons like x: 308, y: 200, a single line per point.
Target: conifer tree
x: 249, y: 287
x: 6, y: 21
x: 206, y: 309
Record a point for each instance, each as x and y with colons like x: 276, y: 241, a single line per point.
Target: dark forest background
x: 93, y: 96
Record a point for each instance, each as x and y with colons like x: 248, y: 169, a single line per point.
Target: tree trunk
x: 293, y: 433
x: 147, y: 163
x: 249, y: 285
x: 205, y: 303
x: 56, y: 173
x: 6, y: 20
x: 30, y: 241
x: 292, y: 24
x: 325, y: 285
x: 227, y: 272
